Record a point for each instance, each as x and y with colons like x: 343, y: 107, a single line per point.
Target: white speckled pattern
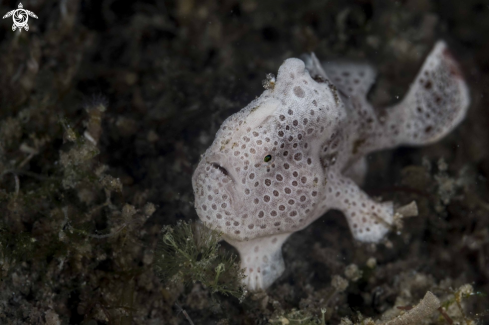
x: 316, y: 126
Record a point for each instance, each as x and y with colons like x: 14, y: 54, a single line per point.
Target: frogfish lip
x: 214, y: 190
x: 212, y: 166
x: 220, y: 168
x: 211, y: 173
x: 218, y: 171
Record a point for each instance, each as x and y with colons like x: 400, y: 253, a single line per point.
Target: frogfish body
x: 299, y: 150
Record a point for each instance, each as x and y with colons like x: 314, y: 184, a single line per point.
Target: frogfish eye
x: 267, y: 158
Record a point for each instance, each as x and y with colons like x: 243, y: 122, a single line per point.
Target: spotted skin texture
x: 316, y: 124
